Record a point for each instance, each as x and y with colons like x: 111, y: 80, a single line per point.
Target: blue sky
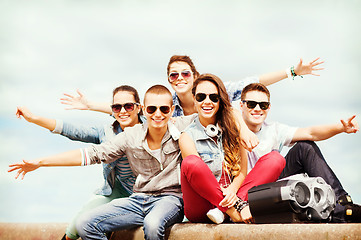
x: 48, y: 48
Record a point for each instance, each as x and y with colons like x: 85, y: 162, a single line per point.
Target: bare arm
x: 248, y: 138
x: 323, y: 132
x: 300, y: 69
x: 81, y: 103
x: 187, y: 145
x: 71, y: 158
x: 40, y: 121
x: 230, y: 192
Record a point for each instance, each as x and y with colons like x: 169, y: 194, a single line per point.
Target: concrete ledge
x: 183, y: 231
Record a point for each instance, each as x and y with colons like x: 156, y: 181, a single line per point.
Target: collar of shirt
x: 172, y: 131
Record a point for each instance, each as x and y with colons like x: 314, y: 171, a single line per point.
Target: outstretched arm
x: 71, y: 158
x: 81, y: 103
x: 300, y: 69
x: 323, y: 132
x: 40, y: 121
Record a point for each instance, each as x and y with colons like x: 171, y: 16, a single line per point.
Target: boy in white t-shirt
x: 304, y: 156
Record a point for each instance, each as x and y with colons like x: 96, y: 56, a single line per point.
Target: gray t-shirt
x: 272, y: 136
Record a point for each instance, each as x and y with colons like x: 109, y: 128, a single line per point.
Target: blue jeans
x: 154, y: 212
x: 306, y: 157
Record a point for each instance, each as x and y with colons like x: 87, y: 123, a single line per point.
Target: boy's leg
x: 120, y: 213
x: 306, y: 157
x: 97, y: 200
x: 162, y: 211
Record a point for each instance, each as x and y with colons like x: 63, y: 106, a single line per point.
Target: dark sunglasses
x: 163, y: 109
x: 253, y: 104
x: 175, y: 75
x: 214, y: 97
x: 127, y: 106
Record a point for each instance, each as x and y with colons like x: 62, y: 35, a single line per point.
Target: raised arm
x: 71, y: 158
x: 323, y: 132
x: 40, y: 121
x: 300, y: 69
x: 81, y: 103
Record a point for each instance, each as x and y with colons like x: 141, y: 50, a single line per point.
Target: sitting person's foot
x: 352, y: 210
x: 216, y: 215
x: 345, y: 200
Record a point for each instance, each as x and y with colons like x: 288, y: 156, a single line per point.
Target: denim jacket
x: 234, y: 90
x: 119, y: 169
x: 210, y: 151
x: 154, y: 176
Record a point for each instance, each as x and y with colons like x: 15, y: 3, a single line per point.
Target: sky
x: 48, y: 48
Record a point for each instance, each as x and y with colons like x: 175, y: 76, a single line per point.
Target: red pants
x: 202, y: 192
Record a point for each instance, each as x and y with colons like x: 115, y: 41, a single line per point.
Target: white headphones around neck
x: 212, y: 130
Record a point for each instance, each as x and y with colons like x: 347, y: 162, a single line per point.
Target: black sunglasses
x: 163, y: 109
x: 175, y: 75
x: 127, y: 106
x: 253, y: 104
x: 214, y: 97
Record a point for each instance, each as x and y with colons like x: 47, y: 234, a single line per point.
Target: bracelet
x: 292, y: 69
x: 240, y: 204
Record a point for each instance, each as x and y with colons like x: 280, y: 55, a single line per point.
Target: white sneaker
x: 216, y: 215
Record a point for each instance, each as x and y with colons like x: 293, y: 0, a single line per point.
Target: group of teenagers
x: 188, y: 154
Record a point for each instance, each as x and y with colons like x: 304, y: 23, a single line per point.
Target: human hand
x: 309, y: 68
x: 25, y: 113
x: 76, y: 102
x: 246, y: 215
x: 24, y: 167
x: 249, y: 140
x: 230, y: 197
x: 350, y: 125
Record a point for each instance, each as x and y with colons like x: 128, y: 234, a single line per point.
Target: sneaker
x: 345, y: 200
x: 216, y: 215
x: 353, y: 213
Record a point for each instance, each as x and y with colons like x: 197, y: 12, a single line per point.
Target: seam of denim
x: 96, y: 224
x: 175, y: 213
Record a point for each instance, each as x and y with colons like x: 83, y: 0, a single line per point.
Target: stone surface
x: 185, y: 231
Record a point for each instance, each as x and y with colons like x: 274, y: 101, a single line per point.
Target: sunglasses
x: 163, y: 109
x: 253, y: 104
x: 127, y: 106
x: 214, y: 97
x: 175, y: 75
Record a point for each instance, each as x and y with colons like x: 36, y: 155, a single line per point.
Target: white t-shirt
x: 272, y: 136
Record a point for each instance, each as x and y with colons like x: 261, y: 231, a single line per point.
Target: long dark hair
x: 134, y: 92
x: 226, y: 122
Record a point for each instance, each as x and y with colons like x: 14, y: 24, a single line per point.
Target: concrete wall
x: 185, y: 231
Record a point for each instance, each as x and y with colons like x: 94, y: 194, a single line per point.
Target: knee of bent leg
x: 153, y: 229
x: 190, y: 162
x: 306, y: 145
x: 278, y: 161
x: 83, y: 225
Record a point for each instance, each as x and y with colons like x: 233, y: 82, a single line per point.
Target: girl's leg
x: 267, y: 169
x: 201, y: 191
x: 95, y: 201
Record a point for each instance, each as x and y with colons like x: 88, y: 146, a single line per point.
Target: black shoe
x: 64, y: 237
x: 353, y: 213
x: 345, y: 200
